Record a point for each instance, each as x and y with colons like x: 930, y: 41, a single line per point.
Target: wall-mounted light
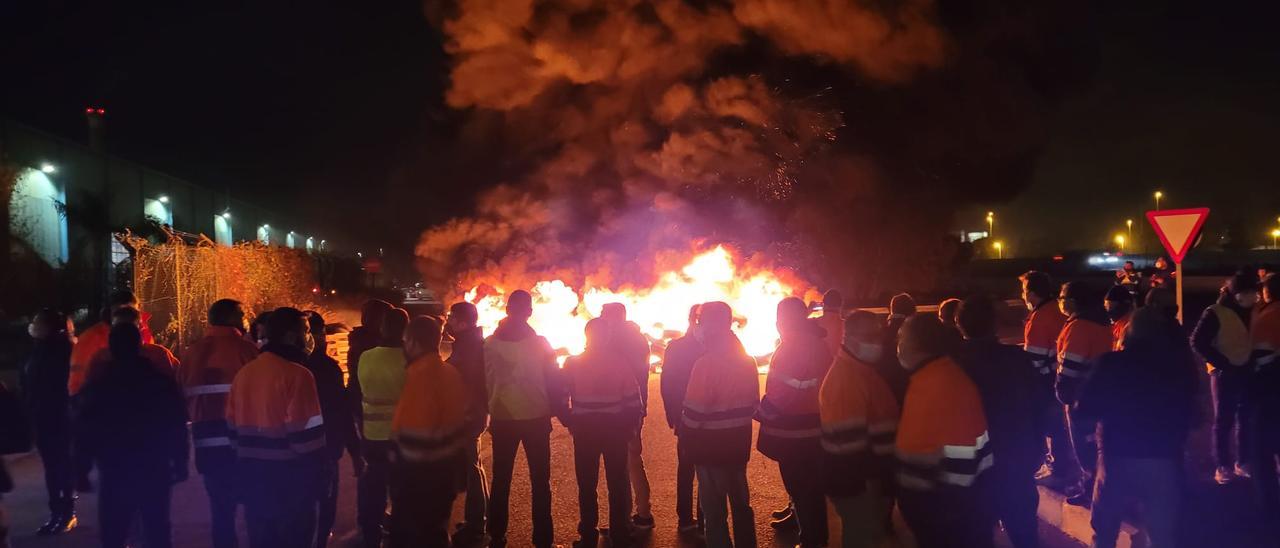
x: 265, y: 225
x: 163, y: 199
x: 226, y: 214
x: 48, y: 167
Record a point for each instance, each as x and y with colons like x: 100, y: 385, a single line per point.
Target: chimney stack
x: 97, y: 117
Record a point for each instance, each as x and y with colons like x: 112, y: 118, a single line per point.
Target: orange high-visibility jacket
x: 1265, y: 333
x: 1118, y: 327
x: 833, y: 324
x: 723, y: 394
x: 603, y: 392
x: 1040, y: 337
x: 1080, y: 343
x: 205, y: 374
x: 859, y: 424
x: 942, y: 435
x: 273, y: 411
x: 789, y: 421
x: 158, y: 356
x: 87, y: 346
x: 431, y: 412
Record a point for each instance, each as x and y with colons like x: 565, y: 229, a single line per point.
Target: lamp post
x: 1120, y: 242
x: 991, y: 224
x: 1128, y: 223
x: 999, y: 246
x: 1275, y: 236
x: 1158, y: 195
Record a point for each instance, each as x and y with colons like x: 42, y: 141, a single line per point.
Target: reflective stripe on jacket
x: 273, y: 411
x: 942, y: 436
x: 382, y: 373
x: 603, y: 394
x: 790, y: 425
x: 205, y: 374
x: 430, y: 415
x: 1118, y: 327
x: 723, y: 394
x: 859, y: 415
x: 520, y: 374
x: 1040, y: 336
x: 1082, y: 341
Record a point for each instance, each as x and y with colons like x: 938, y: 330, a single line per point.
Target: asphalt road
x: 191, y: 523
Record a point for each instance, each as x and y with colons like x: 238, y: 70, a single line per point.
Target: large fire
x: 560, y: 312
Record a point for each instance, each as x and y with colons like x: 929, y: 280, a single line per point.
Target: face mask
x: 910, y: 358
x: 308, y: 343
x: 35, y: 332
x: 1247, y: 300
x: 868, y: 352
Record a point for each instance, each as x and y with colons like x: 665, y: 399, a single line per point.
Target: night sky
x: 308, y: 102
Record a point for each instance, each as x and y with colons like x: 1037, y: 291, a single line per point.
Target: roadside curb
x: 1074, y: 521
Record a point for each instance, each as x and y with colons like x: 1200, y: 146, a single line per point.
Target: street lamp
x: 1158, y: 196
x: 999, y: 246
x: 991, y: 224
x: 1275, y: 234
x: 1120, y: 241
x: 1128, y: 223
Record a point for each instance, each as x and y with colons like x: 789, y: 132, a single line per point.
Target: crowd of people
x: 932, y: 414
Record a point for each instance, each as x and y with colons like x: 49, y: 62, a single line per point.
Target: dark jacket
x: 335, y: 404
x: 15, y: 434
x: 1144, y: 399
x: 134, y: 418
x: 888, y: 367
x: 677, y: 364
x: 1205, y: 333
x: 45, y: 383
x: 468, y: 358
x: 1011, y: 398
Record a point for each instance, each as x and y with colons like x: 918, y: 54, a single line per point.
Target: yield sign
x: 1177, y: 228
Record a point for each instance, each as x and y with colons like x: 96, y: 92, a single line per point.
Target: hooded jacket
x: 205, y: 375
x: 521, y: 374
x: 1085, y: 337
x: 468, y: 358
x: 723, y: 395
x: 790, y: 425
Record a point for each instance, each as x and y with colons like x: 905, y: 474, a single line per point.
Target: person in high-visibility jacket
x: 94, y: 339
x: 429, y: 432
x: 1039, y: 340
x: 277, y: 430
x: 1221, y: 338
x: 205, y: 375
x: 715, y: 428
x: 790, y: 426
x: 382, y: 373
x: 1265, y: 335
x: 1119, y: 307
x: 943, y: 448
x: 467, y: 356
x: 525, y: 391
x: 365, y: 336
x: 1085, y: 337
x: 859, y: 423
x: 158, y: 356
x: 628, y: 341
x: 604, y: 411
x: 832, y: 319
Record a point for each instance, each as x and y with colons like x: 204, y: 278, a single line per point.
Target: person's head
x: 316, y: 326
x: 1161, y: 263
x: 862, y: 336
x: 288, y: 326
x: 1242, y: 289
x: 421, y: 337
x: 372, y: 311
x: 125, y: 342
x: 716, y: 318
x: 1163, y: 299
x: 1077, y: 297
x: 694, y: 312
x: 121, y: 298
x: 227, y: 313
x: 520, y: 305
x: 976, y: 318
x: 792, y: 315
x: 1118, y: 302
x: 126, y: 314
x: 260, y: 323
x: 393, y: 324
x: 921, y: 339
x: 832, y: 302
x: 1151, y: 329
x: 597, y: 333
x: 462, y: 318
x: 902, y: 304
x: 1271, y: 288
x: 947, y: 312
x: 1129, y: 266
x: 614, y: 313
x: 1037, y: 287
x: 49, y: 323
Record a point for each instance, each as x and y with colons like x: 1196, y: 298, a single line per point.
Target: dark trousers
x: 588, y: 448
x: 802, y: 478
x: 508, y: 436
x: 723, y: 490
x: 685, y: 473
x: 946, y: 517
x: 372, y: 490
x: 327, y: 499
x: 54, y: 443
x: 1154, y: 483
x: 477, y: 500
x: 1084, y: 441
x: 1061, y: 451
x: 279, y: 502
x: 128, y: 493
x: 1016, y: 502
x: 221, y: 485
x: 421, y: 504
x: 1232, y: 414
x: 1266, y: 454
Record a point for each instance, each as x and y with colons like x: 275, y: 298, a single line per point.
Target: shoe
x: 1223, y: 475
x: 1242, y: 470
x: 789, y: 523
x: 643, y: 523
x: 467, y: 536
x: 58, y: 525
x: 1057, y: 481
x: 784, y: 512
x: 586, y: 543
x: 687, y: 528
x: 1045, y: 471
x: 1083, y: 499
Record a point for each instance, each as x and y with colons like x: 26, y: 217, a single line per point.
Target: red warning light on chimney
x: 95, y: 110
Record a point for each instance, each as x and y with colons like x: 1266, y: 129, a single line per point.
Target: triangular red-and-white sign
x: 1177, y: 228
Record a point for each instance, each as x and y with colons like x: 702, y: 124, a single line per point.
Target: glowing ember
x: 560, y: 312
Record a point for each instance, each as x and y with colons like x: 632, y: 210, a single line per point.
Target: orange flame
x: 560, y: 312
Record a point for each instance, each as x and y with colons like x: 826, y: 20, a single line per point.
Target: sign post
x: 1177, y: 229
